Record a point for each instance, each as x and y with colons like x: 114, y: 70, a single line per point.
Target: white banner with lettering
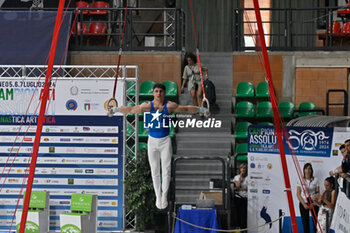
x: 341, y: 217
x: 266, y: 186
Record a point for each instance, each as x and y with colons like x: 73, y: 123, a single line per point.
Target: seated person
x: 326, y: 201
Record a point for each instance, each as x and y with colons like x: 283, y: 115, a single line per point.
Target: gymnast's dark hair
x: 159, y: 85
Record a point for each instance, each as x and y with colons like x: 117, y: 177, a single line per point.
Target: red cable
x: 276, y: 117
x: 197, y: 49
x: 281, y: 121
x: 41, y: 117
x: 120, y: 50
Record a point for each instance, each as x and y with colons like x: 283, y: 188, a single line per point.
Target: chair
x: 242, y: 148
x: 146, y: 89
x: 244, y: 109
x: 346, y: 28
x: 266, y: 123
x: 286, y: 109
x: 336, y: 27
x: 244, y: 90
x: 143, y: 146
x: 82, y: 4
x: 143, y: 133
x: 130, y: 88
x: 130, y: 103
x: 262, y: 90
x: 83, y: 30
x: 38, y: 218
x: 83, y: 215
x: 307, y: 106
x: 99, y: 4
x: 241, y: 130
x: 264, y: 110
x: 170, y: 89
x: 97, y: 30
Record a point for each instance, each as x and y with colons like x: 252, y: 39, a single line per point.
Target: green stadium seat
x: 242, y: 158
x: 143, y: 133
x: 143, y: 146
x: 241, y: 130
x: 266, y: 123
x: 170, y: 89
x: 128, y: 129
x: 306, y: 106
x: 264, y: 110
x: 146, y: 89
x: 262, y: 90
x: 130, y: 104
x: 244, y: 90
x: 130, y: 88
x: 244, y: 109
x: 286, y: 109
x: 241, y: 148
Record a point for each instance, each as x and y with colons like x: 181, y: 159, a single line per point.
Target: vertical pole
x: 41, y: 116
x: 276, y: 117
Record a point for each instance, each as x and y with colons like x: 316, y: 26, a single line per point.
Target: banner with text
x: 81, y: 149
x: 266, y: 187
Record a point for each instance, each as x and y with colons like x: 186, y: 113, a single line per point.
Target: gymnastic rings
x: 205, y: 100
x: 112, y: 102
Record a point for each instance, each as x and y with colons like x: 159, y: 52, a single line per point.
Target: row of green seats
x: 246, y: 109
x: 246, y: 90
x: 146, y: 89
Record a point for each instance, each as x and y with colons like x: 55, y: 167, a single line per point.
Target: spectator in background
x: 241, y: 196
x: 191, y: 75
x: 312, y: 187
x: 338, y: 170
x: 345, y: 164
x: 327, y: 202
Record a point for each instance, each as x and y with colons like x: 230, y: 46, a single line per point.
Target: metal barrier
x: 294, y: 29
x: 225, y: 185
x: 164, y: 28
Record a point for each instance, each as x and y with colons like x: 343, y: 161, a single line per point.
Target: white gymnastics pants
x: 160, y: 152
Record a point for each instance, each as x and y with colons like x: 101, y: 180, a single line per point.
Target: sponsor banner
x: 59, y: 129
x: 47, y: 140
x: 341, y: 216
x: 59, y: 160
x: 107, y: 223
x: 65, y: 181
x: 304, y: 141
x: 55, y: 191
x: 60, y: 150
x: 266, y: 186
x: 80, y: 150
x: 66, y: 171
x: 107, y: 213
x: 66, y: 97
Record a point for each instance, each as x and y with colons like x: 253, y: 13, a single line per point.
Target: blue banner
x: 304, y: 141
x: 26, y: 37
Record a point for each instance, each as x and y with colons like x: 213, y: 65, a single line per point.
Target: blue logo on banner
x: 71, y: 105
x: 155, y: 120
x: 304, y: 141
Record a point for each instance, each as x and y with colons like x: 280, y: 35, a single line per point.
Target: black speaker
x: 170, y: 3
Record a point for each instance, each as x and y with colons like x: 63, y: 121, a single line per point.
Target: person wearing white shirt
x: 312, y: 188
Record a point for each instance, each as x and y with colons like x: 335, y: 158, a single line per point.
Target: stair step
x: 206, y: 142
x: 199, y: 151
